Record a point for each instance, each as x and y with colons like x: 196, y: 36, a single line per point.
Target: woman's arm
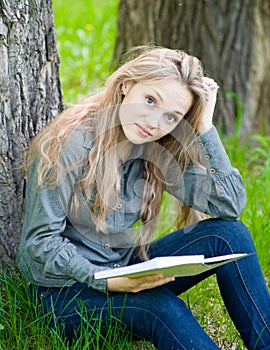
x: 216, y: 189
x: 44, y: 249
x: 44, y: 245
x: 137, y: 284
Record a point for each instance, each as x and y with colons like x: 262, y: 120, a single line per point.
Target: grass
x: 86, y: 33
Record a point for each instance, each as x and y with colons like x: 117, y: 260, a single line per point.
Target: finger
x: 158, y: 282
x: 214, y: 87
x: 211, y: 92
x: 210, y: 83
x: 142, y: 281
x: 161, y: 282
x: 148, y: 282
x: 148, y: 278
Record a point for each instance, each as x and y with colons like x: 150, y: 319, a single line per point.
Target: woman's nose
x: 153, y: 118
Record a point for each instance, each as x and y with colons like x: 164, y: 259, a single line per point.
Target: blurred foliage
x: 86, y: 32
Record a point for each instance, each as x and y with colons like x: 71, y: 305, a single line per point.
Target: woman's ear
x: 125, y: 87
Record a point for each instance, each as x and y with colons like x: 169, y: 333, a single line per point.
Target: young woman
x: 103, y: 165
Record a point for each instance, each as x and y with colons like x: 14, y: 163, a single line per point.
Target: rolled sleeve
x: 213, y: 154
x: 83, y: 270
x: 215, y: 189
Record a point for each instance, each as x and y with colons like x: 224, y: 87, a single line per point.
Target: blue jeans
x: 159, y: 315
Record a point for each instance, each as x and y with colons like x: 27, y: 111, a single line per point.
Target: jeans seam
x: 228, y: 244
x: 157, y: 317
x: 130, y: 308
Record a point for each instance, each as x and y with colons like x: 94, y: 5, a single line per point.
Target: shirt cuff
x: 213, y: 153
x: 83, y: 271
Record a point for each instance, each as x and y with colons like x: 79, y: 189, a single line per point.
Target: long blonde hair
x: 151, y: 64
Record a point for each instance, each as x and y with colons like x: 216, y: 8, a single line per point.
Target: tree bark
x: 30, y: 97
x: 231, y: 37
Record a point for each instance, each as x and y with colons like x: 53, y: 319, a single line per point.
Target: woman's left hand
x: 211, y: 88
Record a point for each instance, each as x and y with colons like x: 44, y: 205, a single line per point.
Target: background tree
x: 30, y: 96
x: 231, y: 37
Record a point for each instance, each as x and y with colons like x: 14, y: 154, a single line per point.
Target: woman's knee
x: 235, y: 233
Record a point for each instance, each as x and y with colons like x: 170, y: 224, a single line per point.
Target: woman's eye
x: 150, y: 101
x: 171, y: 118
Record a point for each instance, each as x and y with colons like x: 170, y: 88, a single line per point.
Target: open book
x: 185, y: 265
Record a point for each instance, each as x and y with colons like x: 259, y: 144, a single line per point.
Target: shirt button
x: 201, y: 144
x: 107, y: 246
x: 212, y: 171
x: 207, y: 156
x: 116, y: 266
x: 119, y: 206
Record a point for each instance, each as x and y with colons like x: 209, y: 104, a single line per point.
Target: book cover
x: 178, y: 266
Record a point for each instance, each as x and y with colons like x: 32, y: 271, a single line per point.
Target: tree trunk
x: 231, y: 37
x: 30, y: 97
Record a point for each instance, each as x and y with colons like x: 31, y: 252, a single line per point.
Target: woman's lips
x: 142, y: 130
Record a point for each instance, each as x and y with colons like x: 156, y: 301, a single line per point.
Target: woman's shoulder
x: 78, y: 144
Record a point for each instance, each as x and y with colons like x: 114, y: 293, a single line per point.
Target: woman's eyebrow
x: 158, y: 95
x: 161, y: 100
x: 178, y: 112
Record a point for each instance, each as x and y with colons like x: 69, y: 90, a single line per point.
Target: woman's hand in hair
x: 211, y: 88
x: 136, y: 284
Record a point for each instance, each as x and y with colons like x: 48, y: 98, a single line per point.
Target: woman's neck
x: 124, y: 147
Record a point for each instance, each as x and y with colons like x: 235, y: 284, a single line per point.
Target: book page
x: 178, y: 266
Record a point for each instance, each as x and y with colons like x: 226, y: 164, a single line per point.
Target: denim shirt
x: 59, y: 248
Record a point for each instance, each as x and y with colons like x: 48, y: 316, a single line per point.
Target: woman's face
x: 151, y: 110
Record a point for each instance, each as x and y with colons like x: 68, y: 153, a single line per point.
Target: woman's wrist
x: 204, y: 128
